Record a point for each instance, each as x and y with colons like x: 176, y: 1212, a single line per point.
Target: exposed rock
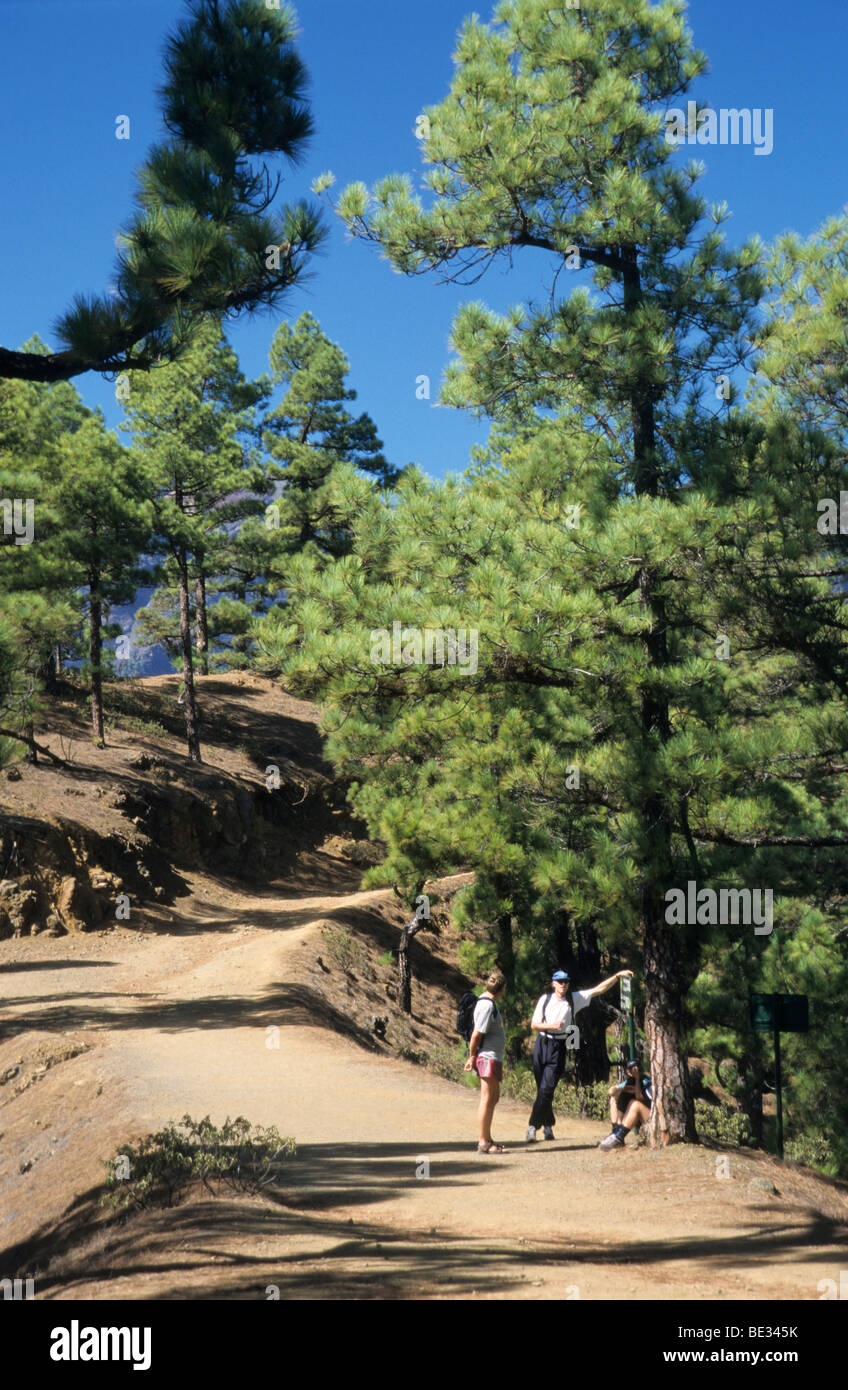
x: 77, y: 905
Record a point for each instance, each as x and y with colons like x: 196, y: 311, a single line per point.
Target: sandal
x: 491, y: 1148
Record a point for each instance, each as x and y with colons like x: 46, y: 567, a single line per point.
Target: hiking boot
x: 612, y: 1141
x: 531, y: 1134
x: 549, y: 1134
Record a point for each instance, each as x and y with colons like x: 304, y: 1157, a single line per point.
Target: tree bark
x: 673, y: 1112
x: 95, y: 610
x: 404, y: 968
x: 47, y: 673
x: 201, y: 623
x: 190, y: 702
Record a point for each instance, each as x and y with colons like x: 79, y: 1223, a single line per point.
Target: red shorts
x: 487, y: 1068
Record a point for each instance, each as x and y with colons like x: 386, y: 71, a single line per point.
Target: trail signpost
x: 626, y: 985
x: 776, y: 1013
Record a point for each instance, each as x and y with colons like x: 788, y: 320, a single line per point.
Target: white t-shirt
x: 487, y: 1020
x: 560, y: 1010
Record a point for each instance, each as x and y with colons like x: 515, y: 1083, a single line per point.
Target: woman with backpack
x: 554, y: 1017
x: 485, y: 1056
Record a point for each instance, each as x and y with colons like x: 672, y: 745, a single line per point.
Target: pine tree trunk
x: 201, y: 623
x: 404, y: 967
x: 29, y: 735
x: 673, y: 1112
x: 47, y: 673
x: 190, y: 701
x: 58, y: 664
x: 750, y: 1068
x: 96, y: 636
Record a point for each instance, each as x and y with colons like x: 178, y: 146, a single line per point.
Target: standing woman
x: 555, y: 1013
x: 485, y: 1056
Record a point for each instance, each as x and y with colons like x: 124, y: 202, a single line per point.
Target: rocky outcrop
x: 60, y: 876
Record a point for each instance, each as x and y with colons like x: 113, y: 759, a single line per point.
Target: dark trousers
x: 548, y: 1067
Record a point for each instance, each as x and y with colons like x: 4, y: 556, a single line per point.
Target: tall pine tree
x: 604, y: 556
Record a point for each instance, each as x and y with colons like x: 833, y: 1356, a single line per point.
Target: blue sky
x: 68, y: 68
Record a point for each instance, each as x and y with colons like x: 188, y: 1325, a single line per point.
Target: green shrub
x: 133, y: 724
x: 722, y: 1124
x: 345, y: 950
x: 239, y: 1156
x: 519, y: 1083
x: 386, y: 958
x: 814, y: 1151
x: 584, y: 1102
x: 449, y: 1062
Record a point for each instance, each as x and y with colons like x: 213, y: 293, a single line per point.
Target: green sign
x: 626, y: 993
x: 783, y: 1013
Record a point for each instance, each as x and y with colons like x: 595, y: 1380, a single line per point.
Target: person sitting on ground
x: 554, y: 1016
x: 630, y: 1105
x: 485, y: 1056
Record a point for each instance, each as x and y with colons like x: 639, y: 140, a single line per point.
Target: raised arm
x: 605, y: 984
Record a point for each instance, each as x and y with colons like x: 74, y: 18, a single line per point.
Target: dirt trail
x: 209, y: 1022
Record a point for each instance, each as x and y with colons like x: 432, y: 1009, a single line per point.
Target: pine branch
x: 779, y: 841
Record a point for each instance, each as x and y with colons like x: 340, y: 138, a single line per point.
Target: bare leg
x: 490, y: 1090
x: 637, y: 1113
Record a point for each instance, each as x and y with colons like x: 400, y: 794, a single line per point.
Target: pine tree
x: 192, y: 427
x: 107, y: 518
x: 605, y: 555
x: 204, y: 240
x: 308, y: 434
x: 39, y: 605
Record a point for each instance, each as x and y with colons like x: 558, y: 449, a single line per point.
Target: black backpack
x: 465, y: 1014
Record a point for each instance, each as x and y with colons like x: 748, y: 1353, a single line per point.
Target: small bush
x: 238, y: 1156
x: 585, y: 1102
x: 386, y: 958
x: 722, y: 1124
x: 132, y: 724
x: 345, y: 950
x: 814, y: 1151
x: 519, y: 1084
x: 449, y: 1062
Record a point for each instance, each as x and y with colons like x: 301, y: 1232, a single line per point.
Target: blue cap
x: 559, y: 975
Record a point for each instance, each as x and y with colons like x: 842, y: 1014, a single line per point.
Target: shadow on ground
x: 298, y: 1243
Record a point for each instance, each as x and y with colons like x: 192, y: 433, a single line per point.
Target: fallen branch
x: 31, y: 743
